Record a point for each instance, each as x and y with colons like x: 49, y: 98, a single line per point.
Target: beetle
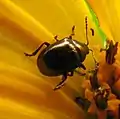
x: 62, y: 57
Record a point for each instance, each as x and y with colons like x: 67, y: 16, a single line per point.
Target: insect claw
x: 101, y: 49
x: 55, y: 88
x: 26, y: 54
x: 72, y: 34
x: 82, y: 66
x: 58, y: 87
x: 73, y: 28
x: 80, y: 73
x: 56, y: 38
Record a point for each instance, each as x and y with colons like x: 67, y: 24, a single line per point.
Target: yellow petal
x: 24, y: 25
x: 19, y: 111
x: 109, y: 21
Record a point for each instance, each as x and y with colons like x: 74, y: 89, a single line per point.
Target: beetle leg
x: 35, y: 52
x: 61, y: 84
x: 72, y: 34
x: 102, y: 49
x: 96, y: 63
x: 56, y: 38
x: 82, y: 66
x: 80, y: 73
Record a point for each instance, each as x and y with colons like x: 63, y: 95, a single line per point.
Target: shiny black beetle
x: 62, y: 57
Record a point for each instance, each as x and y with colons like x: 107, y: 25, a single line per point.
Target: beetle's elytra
x: 62, y: 57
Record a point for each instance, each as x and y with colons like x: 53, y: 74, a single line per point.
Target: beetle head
x: 86, y: 49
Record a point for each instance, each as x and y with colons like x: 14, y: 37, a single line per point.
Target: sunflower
x: 25, y: 24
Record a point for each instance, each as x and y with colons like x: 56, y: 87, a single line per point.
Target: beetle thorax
x: 81, y: 46
x: 82, y: 49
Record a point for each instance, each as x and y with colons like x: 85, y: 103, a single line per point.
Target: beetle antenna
x: 86, y: 27
x: 92, y: 30
x: 73, y: 33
